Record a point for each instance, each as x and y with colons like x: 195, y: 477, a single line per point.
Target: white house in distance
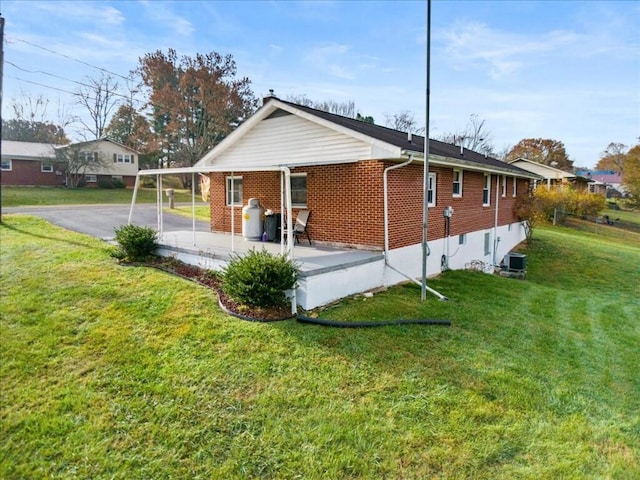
x: 35, y: 164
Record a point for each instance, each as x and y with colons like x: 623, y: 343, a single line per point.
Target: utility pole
x: 1, y: 76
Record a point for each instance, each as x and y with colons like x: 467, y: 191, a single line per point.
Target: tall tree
x: 195, y: 102
x: 32, y: 131
x: 475, y: 136
x: 631, y: 175
x: 99, y: 97
x: 130, y: 128
x: 31, y: 124
x: 542, y: 150
x: 613, y: 157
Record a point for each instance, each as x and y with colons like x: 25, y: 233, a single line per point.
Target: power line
x: 68, y: 57
x: 63, y: 78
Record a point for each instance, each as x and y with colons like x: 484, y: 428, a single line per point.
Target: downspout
x: 386, y: 204
x: 386, y: 228
x: 495, y: 222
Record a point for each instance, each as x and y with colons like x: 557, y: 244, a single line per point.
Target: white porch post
x: 233, y: 216
x: 193, y: 206
x: 133, y: 199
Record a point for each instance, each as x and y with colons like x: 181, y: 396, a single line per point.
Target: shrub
x: 136, y: 243
x: 259, y: 279
x: 110, y: 183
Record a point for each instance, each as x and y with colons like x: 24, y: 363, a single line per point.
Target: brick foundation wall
x: 347, y: 203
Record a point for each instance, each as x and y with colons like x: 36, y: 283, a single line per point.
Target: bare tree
x: 99, y: 97
x: 30, y: 123
x: 403, y: 121
x: 76, y: 160
x: 345, y: 109
x: 475, y: 136
x: 613, y: 158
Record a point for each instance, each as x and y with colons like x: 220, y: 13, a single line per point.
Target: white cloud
x: 471, y: 45
x: 330, y: 58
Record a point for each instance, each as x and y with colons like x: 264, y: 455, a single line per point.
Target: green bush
x: 136, y: 243
x: 259, y: 279
x: 109, y: 183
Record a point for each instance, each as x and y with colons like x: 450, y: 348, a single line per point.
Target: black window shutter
x: 115, y: 158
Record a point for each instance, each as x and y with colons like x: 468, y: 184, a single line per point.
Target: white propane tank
x: 252, y: 220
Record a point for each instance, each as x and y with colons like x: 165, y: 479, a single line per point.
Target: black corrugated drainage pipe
x: 382, y: 323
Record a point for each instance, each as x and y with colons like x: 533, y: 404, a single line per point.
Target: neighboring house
x: 609, y: 178
x: 26, y: 163
x: 552, y: 177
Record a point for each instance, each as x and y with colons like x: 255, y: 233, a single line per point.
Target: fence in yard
x: 601, y: 224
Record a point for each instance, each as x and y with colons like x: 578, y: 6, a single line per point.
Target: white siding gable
x: 292, y: 140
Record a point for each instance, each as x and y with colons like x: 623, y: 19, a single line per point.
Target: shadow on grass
x: 46, y: 237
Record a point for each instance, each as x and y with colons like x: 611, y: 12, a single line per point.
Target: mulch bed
x: 209, y: 280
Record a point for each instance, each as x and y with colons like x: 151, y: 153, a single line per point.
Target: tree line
x: 177, y: 108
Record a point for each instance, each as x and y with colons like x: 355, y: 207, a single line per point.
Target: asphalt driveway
x: 101, y: 220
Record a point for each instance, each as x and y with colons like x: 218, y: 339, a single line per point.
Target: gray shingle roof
x: 399, y: 139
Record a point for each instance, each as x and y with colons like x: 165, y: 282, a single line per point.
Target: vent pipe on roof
x: 271, y: 95
x: 409, y: 137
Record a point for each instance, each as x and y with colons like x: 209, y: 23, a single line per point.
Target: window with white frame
x: 234, y: 190
x: 487, y: 243
x: 5, y: 165
x: 46, y: 167
x: 90, y: 178
x: 431, y: 190
x: 515, y: 187
x: 503, y: 186
x: 88, y: 156
x: 486, y: 190
x: 299, y: 189
x: 122, y: 158
x: 457, y: 183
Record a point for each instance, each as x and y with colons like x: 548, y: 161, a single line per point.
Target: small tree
x: 74, y: 160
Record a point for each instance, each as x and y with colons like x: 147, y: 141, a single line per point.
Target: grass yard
x: 203, y: 212
x: 122, y: 372
x: 19, y: 196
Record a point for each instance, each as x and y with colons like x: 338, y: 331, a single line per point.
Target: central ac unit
x: 515, y: 262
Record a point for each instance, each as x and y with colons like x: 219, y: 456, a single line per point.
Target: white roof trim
x: 275, y: 104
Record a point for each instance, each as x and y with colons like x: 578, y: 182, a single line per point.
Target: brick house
x: 363, y: 184
x: 338, y: 167
x: 36, y: 164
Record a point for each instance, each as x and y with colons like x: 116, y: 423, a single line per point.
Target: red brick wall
x: 347, y: 205
x: 28, y: 172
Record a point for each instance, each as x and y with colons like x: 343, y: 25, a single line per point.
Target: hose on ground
x: 341, y: 324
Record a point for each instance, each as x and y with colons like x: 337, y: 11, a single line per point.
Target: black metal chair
x: 300, y: 227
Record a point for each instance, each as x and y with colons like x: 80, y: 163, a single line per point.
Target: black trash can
x: 271, y: 226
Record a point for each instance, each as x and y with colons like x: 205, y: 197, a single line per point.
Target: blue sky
x: 566, y: 70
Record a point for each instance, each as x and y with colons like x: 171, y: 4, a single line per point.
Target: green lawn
x: 19, y: 196
x: 110, y: 371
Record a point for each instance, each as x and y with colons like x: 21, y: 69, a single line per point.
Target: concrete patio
x: 326, y: 273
